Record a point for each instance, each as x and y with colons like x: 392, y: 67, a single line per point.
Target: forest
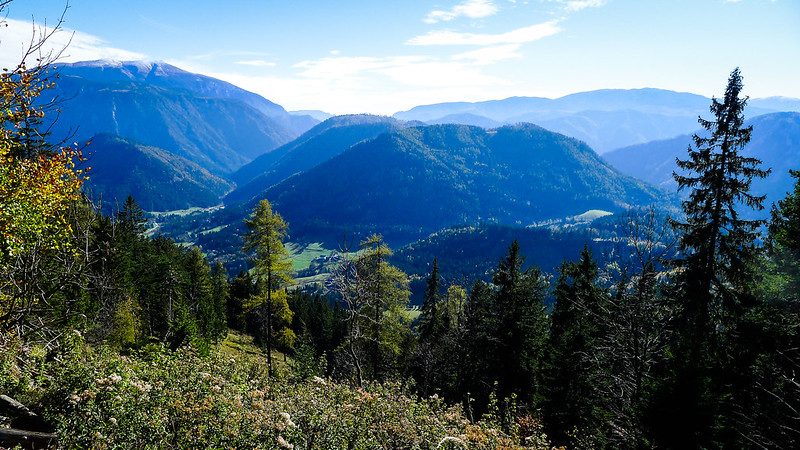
x: 684, y: 335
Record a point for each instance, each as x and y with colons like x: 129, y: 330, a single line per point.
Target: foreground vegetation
x: 153, y: 397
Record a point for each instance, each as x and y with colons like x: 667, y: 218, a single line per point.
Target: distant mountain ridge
x: 161, y: 74
x: 204, y: 120
x: 605, y: 119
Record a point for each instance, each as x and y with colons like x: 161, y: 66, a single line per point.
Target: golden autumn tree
x: 38, y: 183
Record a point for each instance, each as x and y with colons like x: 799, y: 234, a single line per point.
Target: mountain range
x: 605, y: 119
x: 413, y: 181
x: 174, y: 139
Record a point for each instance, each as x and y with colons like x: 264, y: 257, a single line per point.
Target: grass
x: 303, y: 254
x: 184, y: 212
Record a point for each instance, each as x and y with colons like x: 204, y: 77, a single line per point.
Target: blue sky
x: 376, y: 56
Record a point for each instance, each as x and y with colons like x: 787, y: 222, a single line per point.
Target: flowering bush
x: 158, y: 398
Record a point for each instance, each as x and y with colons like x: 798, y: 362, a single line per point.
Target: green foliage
x: 375, y: 296
x: 273, y: 269
x: 716, y: 272
x: 573, y: 395
x: 126, y: 329
x: 159, y: 398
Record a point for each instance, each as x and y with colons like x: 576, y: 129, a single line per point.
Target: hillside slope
x: 158, y: 180
x: 319, y: 144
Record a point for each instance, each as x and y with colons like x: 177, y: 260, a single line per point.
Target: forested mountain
x: 317, y: 145
x: 775, y: 141
x: 467, y: 119
x: 415, y: 181
x: 605, y: 119
x: 203, y: 125
x: 157, y: 179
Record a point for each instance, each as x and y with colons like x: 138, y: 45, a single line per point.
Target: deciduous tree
x: 272, y: 267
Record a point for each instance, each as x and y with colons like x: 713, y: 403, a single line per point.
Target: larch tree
x: 272, y: 266
x: 375, y: 295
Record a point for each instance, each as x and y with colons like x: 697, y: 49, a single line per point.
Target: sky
x: 380, y: 57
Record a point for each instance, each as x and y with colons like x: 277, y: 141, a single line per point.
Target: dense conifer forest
x: 680, y: 331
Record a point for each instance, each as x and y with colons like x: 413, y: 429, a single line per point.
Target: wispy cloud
x: 577, y: 5
x: 489, y: 55
x: 518, y: 36
x: 73, y: 45
x: 404, y: 70
x: 256, y: 63
x: 474, y: 9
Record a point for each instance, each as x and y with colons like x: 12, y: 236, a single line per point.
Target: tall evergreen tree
x: 522, y: 326
x: 430, y: 319
x: 719, y: 247
x: 715, y: 273
x: 573, y: 406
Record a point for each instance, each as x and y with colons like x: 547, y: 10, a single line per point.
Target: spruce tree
x: 430, y: 320
x: 573, y: 406
x: 522, y: 324
x: 719, y: 246
x: 714, y: 275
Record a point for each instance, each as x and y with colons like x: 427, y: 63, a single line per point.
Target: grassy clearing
x: 184, y: 212
x: 303, y: 254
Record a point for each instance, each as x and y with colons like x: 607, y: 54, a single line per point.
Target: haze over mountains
x: 174, y: 139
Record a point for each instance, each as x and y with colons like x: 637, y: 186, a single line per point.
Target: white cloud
x: 76, y: 46
x: 577, y: 5
x: 518, y: 36
x: 474, y: 9
x: 256, y: 63
x: 490, y: 55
